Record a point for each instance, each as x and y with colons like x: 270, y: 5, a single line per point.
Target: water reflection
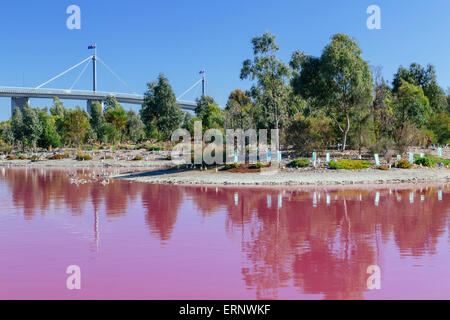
x: 315, y: 241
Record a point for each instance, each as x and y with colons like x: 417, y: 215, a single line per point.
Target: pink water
x: 143, y: 241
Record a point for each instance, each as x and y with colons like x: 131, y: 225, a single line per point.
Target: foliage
x: 403, y: 164
x: 340, y: 81
x: 238, y: 112
x: 271, y: 92
x: 257, y: 165
x: 135, y: 127
x: 49, y: 137
x: 76, y: 126
x: 116, y: 116
x: 97, y: 120
x: 32, y: 127
x: 209, y: 113
x: 349, y: 164
x: 309, y: 134
x: 138, y: 158
x: 425, y: 162
x: 300, y: 163
x: 424, y: 78
x: 83, y: 157
x: 160, y: 108
x: 439, y: 124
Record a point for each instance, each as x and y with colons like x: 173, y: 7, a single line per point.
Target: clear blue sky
x: 139, y: 39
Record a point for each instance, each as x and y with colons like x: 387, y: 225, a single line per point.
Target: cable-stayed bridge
x: 20, y: 96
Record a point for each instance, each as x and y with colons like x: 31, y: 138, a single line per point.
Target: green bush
x: 349, y: 164
x: 138, y: 158
x: 299, y: 163
x: 83, y: 157
x: 155, y: 148
x: 232, y: 166
x: 425, y: 162
x: 403, y: 164
x: 59, y: 156
x: 257, y: 165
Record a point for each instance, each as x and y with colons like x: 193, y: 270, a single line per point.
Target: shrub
x: 22, y: 157
x: 332, y: 165
x: 309, y: 134
x: 59, y: 156
x: 138, y: 158
x: 383, y: 168
x: 12, y: 157
x: 232, y: 166
x: 403, y: 164
x: 257, y: 165
x: 83, y: 157
x: 154, y: 148
x: 431, y: 161
x: 349, y: 164
x: 300, y: 163
x: 35, y: 158
x: 425, y: 162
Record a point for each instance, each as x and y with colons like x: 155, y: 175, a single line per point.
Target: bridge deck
x: 80, y: 95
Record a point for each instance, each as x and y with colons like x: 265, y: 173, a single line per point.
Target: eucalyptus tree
x: 271, y: 90
x: 340, y: 81
x: 160, y: 108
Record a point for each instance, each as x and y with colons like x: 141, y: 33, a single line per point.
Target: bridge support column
x: 19, y: 102
x: 89, y: 102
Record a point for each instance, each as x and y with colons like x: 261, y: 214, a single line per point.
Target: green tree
x: 426, y: 79
x: 439, y: 123
x: 32, y: 127
x: 160, y: 108
x: 209, y: 113
x: 410, y: 105
x: 97, y: 120
x: 135, y: 126
x: 7, y: 133
x: 76, y: 126
x: 116, y: 115
x: 271, y: 92
x: 49, y: 137
x: 340, y: 81
x: 239, y: 110
x: 17, y: 126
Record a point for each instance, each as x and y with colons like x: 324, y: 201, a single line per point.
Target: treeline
x: 336, y: 100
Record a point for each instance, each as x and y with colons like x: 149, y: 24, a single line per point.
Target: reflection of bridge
x: 21, y: 96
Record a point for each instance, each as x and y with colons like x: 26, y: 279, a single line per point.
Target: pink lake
x: 143, y: 241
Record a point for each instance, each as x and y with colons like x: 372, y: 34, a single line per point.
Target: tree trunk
x: 347, y: 129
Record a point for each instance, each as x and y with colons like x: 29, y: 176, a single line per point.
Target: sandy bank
x: 291, y: 177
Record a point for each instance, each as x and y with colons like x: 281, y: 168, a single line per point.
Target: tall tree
x: 49, y: 137
x: 340, y: 81
x: 209, y: 113
x: 17, y: 126
x: 76, y: 126
x: 116, y: 115
x: 135, y: 126
x: 32, y: 126
x: 426, y: 79
x: 97, y: 120
x: 160, y: 108
x: 271, y: 92
x: 239, y: 110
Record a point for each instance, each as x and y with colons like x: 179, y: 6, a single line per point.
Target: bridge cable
x: 114, y: 74
x: 193, y: 86
x: 63, y: 73
x: 80, y: 75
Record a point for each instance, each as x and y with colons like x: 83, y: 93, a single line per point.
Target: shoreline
x: 286, y: 178
x: 158, y: 171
